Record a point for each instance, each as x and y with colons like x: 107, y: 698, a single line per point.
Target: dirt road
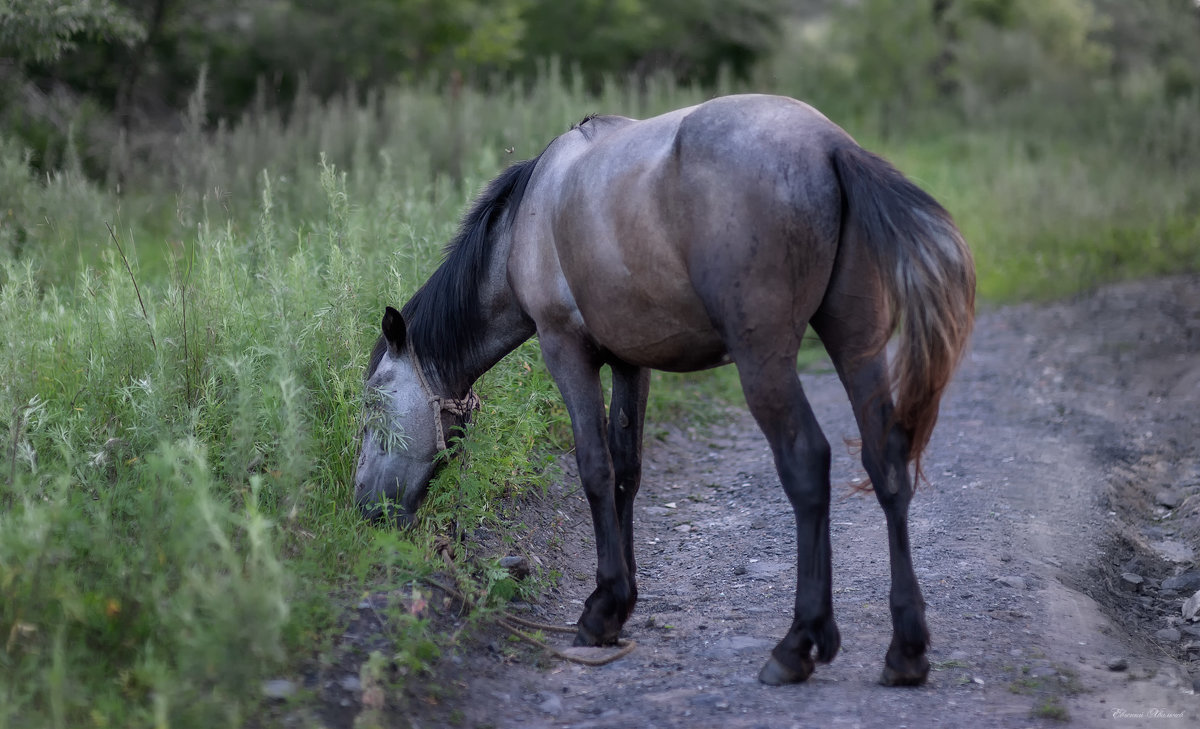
x: 1063, y: 425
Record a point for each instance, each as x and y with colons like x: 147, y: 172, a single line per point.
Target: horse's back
x: 656, y: 226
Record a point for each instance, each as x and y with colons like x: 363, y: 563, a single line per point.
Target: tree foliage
x: 146, y: 54
x: 40, y: 31
x: 977, y: 59
x: 928, y: 48
x: 691, y: 39
x: 135, y: 64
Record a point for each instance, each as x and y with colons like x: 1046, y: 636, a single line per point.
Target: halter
x: 460, y: 406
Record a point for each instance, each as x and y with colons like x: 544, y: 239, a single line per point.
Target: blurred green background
x: 205, y: 206
x: 1058, y: 131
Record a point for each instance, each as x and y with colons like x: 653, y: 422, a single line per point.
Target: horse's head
x: 399, y: 452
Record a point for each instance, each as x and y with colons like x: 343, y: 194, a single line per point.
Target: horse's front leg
x: 627, y: 414
x: 576, y: 370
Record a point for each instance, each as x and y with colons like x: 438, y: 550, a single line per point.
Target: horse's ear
x: 393, y: 330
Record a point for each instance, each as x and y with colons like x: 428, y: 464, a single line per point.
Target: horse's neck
x: 506, y: 325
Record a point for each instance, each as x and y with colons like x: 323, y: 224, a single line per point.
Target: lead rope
x: 625, y: 646
x: 510, y: 623
x: 461, y: 407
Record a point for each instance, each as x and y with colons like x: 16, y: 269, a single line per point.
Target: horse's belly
x: 674, y: 353
x: 650, y: 336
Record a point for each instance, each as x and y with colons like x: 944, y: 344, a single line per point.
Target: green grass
x: 1051, y: 708
x: 178, y: 417
x: 1048, y: 691
x: 177, y: 459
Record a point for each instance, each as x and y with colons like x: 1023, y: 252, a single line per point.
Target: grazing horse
x: 708, y: 235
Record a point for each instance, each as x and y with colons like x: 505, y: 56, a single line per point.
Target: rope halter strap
x: 459, y: 406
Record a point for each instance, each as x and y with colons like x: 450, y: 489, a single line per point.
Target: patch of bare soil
x: 1065, y: 464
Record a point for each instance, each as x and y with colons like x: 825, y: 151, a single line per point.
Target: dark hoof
x: 914, y: 675
x: 585, y: 638
x: 775, y: 673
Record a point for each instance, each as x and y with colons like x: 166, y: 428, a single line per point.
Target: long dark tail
x: 928, y: 277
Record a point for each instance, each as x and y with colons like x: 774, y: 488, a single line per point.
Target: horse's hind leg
x: 626, y: 417
x: 885, y: 449
x: 802, y: 456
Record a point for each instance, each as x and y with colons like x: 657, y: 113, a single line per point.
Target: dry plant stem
x: 132, y: 278
x: 625, y: 647
x: 187, y: 369
x: 510, y: 623
x: 18, y: 422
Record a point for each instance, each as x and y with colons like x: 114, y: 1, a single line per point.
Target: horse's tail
x: 928, y: 278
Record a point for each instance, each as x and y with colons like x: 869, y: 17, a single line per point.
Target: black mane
x: 444, y: 318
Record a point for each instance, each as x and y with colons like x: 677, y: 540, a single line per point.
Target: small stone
x: 1191, y: 607
x: 350, y: 684
x: 1187, y: 582
x: 723, y: 647
x: 684, y: 528
x: 1167, y: 498
x: 517, y: 566
x: 716, y: 701
x: 1174, y: 551
x: 278, y: 689
x: 740, y: 569
x: 1168, y: 635
x: 1043, y: 671
x: 551, y: 703
x: 1016, y: 583
x: 1131, y: 581
x: 1118, y: 664
x: 1192, y: 630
